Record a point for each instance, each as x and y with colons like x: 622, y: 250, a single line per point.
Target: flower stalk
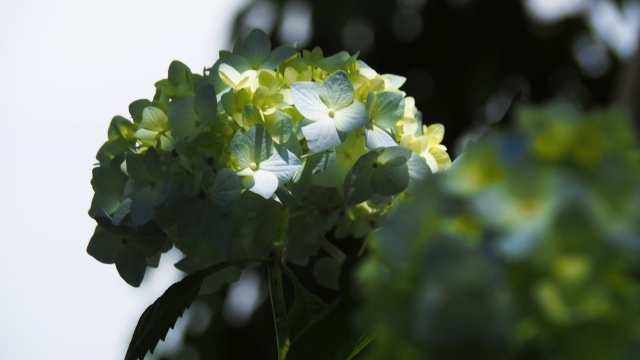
x: 275, y: 284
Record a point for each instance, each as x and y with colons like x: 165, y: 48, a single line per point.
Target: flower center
x: 332, y: 113
x: 253, y: 166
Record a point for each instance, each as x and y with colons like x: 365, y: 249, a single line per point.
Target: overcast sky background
x: 66, y: 68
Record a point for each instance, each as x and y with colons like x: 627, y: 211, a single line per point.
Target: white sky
x: 66, y: 68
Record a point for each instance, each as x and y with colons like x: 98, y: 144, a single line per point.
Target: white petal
x: 282, y: 163
x: 321, y: 135
x: 377, y: 137
x: 351, y: 117
x: 306, y: 98
x: 337, y: 90
x: 265, y: 183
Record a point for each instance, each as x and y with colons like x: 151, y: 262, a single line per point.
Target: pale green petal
x: 435, y: 132
x: 351, y: 117
x: 233, y: 78
x: 337, y: 91
x: 321, y: 135
x: 242, y: 152
x: 431, y: 161
x: 154, y: 119
x: 144, y: 134
x: 377, y: 137
x: 306, y: 98
x: 385, y: 108
x: 279, y: 125
x: 251, y: 116
x: 393, y: 81
x: 265, y: 183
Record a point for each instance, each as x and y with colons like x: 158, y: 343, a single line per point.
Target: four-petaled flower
x: 330, y: 110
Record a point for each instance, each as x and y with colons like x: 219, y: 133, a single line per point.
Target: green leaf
x: 418, y: 172
x: 356, y: 187
x: 256, y: 48
x: 389, y: 180
x: 206, y: 104
x: 225, y: 190
x: 144, y: 168
x: 278, y: 56
x: 330, y: 335
x: 108, y: 183
x: 306, y: 306
x: 126, y: 247
x: 137, y: 107
x: 162, y: 315
x: 121, y: 128
x: 104, y: 246
x: 183, y: 117
x: 394, y: 156
x: 181, y: 78
x: 148, y: 186
x: 131, y: 264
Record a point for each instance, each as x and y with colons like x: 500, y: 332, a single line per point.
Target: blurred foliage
x: 526, y: 248
x: 463, y: 59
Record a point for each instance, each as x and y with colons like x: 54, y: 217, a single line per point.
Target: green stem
x: 275, y: 284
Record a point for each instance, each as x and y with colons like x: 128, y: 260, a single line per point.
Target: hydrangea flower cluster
x: 203, y: 165
x: 527, y: 246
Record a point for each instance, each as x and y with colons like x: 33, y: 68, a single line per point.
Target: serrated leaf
x: 159, y: 317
